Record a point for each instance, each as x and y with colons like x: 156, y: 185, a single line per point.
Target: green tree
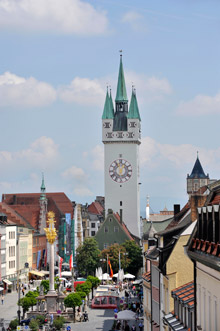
x: 34, y: 325
x: 40, y: 319
x: 87, y: 257
x: 25, y: 303
x: 58, y: 322
x: 85, y: 287
x: 82, y: 294
x: 94, y: 281
x: 32, y: 296
x: 135, y: 256
x: 13, y: 324
x: 46, y: 285
x: 113, y: 256
x: 73, y: 300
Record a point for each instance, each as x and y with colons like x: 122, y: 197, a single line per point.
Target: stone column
x: 51, y: 268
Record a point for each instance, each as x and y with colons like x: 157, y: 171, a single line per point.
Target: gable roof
x: 27, y: 206
x: 95, y: 208
x: 198, y: 171
x: 13, y: 217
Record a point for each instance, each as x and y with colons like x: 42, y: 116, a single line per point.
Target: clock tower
x: 121, y: 136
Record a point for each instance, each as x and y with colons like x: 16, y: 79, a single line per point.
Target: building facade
x: 121, y: 135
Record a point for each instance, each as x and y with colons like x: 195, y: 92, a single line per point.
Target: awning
x: 7, y: 281
x: 36, y: 273
x: 1, y: 288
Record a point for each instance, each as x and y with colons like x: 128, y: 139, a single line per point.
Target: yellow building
x: 169, y: 266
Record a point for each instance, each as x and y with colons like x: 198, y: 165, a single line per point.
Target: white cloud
x: 21, y: 92
x: 200, y: 105
x: 83, y: 191
x: 134, y: 19
x: 83, y: 91
x: 148, y: 88
x: 74, y: 173
x: 154, y: 154
x: 66, y: 16
x: 42, y: 152
x: 98, y: 157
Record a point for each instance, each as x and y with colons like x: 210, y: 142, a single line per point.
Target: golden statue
x: 51, y: 232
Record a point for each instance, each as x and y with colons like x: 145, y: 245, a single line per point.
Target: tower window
x: 120, y: 203
x: 132, y: 124
x: 120, y: 155
x: 106, y: 229
x: 130, y: 135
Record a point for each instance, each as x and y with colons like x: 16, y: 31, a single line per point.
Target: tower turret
x: 121, y: 102
x: 197, y: 178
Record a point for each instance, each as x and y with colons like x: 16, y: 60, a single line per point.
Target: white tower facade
x: 121, y: 135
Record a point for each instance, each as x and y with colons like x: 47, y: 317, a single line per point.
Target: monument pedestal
x: 51, y: 300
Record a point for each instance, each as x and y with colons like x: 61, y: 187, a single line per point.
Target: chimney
x: 176, y: 209
x: 14, y: 199
x: 196, y: 201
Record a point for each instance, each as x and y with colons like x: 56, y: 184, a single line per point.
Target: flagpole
x: 119, y: 260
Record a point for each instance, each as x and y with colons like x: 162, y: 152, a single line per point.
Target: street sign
x: 26, y: 327
x: 19, y: 328
x: 68, y: 328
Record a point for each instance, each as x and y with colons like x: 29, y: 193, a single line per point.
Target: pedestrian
x: 22, y: 290
x: 127, y: 328
x: 2, y: 299
x: 3, y: 328
x: 141, y: 326
x: 133, y: 328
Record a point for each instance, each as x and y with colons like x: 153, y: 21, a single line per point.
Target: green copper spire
x: 111, y: 104
x: 108, y: 112
x: 133, y: 109
x: 121, y: 95
x: 43, y: 189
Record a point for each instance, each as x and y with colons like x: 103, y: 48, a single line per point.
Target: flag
x: 38, y: 258
x: 45, y: 259
x: 110, y: 267
x: 60, y: 261
x: 71, y: 261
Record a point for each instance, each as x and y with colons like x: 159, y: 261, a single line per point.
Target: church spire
x: 197, y: 171
x: 121, y: 95
x: 43, y: 189
x: 121, y: 102
x: 108, y: 112
x: 133, y: 109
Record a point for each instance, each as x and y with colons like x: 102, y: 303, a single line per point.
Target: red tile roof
x: 27, y: 205
x: 95, y: 208
x: 12, y: 216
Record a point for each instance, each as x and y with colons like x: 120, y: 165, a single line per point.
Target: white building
x: 121, y: 136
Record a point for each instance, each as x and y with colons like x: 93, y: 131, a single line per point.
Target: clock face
x: 120, y: 171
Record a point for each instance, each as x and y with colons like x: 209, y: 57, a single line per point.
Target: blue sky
x: 55, y: 62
